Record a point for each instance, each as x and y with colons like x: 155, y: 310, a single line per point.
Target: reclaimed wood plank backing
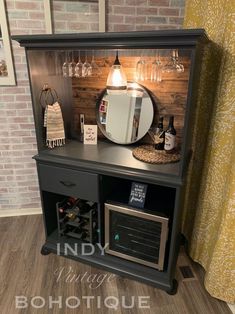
x: 170, y: 95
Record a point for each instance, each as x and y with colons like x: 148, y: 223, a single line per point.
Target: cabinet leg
x: 173, y: 290
x: 45, y: 251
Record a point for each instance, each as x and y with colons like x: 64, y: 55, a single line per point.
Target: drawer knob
x: 67, y: 183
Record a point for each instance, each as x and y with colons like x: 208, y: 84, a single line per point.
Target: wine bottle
x: 85, y: 222
x: 83, y: 207
x: 70, y: 216
x: 85, y: 234
x: 159, y: 137
x: 68, y: 204
x: 170, y: 136
x: 160, y: 125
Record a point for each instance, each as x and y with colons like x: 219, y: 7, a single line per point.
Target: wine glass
x: 78, y: 67
x: 65, y: 66
x: 173, y: 65
x: 95, y: 70
x: 105, y: 61
x: 156, y: 70
x: 180, y: 67
x: 86, y: 68
x: 141, y: 69
x: 72, y: 66
x: 170, y: 65
x: 153, y: 132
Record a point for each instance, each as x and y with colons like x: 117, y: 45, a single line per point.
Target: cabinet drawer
x: 69, y: 182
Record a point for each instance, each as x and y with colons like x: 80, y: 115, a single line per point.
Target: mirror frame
x: 100, y: 97
x: 10, y: 78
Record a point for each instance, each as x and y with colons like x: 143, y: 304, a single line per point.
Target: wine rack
x: 77, y: 218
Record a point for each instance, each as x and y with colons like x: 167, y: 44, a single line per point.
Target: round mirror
x: 127, y: 117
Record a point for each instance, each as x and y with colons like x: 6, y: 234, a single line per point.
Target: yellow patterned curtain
x: 209, y: 216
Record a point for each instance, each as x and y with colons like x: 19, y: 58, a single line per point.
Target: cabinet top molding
x: 151, y: 39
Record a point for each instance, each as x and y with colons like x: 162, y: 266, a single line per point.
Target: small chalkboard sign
x: 138, y: 194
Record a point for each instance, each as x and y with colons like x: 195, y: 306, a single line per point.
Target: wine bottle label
x: 169, y: 141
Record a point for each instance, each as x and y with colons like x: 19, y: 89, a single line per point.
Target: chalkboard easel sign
x: 138, y: 194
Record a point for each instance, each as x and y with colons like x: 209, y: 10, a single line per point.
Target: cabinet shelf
x: 159, y: 199
x: 111, y: 159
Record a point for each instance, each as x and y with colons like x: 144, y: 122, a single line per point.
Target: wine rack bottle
x: 82, y: 207
x: 77, y: 219
x: 69, y: 203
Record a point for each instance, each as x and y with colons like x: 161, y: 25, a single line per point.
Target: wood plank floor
x: 25, y: 272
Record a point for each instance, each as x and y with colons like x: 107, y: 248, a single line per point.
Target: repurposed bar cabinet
x: 86, y: 189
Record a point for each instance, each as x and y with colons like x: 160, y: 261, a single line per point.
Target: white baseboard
x: 20, y: 212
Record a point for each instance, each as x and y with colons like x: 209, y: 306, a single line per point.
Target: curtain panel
x: 209, y: 209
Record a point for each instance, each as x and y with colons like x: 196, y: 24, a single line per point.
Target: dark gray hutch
x: 103, y: 173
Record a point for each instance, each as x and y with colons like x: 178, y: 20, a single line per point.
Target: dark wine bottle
x: 170, y: 136
x: 85, y: 235
x: 160, y: 125
x: 69, y: 203
x: 83, y: 207
x: 159, y: 137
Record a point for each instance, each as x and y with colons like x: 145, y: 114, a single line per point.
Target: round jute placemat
x: 147, y: 153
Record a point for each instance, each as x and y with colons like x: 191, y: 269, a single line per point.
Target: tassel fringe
x: 55, y: 143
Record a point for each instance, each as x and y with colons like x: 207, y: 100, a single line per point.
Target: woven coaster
x: 147, y: 153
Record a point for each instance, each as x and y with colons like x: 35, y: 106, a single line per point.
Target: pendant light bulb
x: 116, y: 82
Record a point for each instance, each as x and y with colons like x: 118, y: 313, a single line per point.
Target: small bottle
x: 159, y: 137
x: 170, y: 136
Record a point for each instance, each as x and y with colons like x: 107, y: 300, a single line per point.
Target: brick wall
x: 72, y: 16
x: 137, y: 15
x: 18, y: 179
